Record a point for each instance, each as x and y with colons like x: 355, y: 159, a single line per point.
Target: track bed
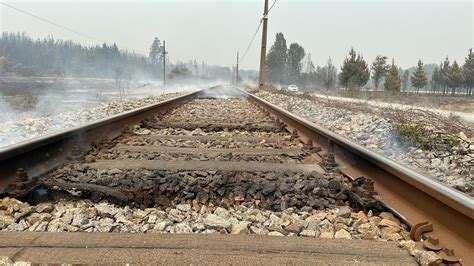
x: 209, y: 166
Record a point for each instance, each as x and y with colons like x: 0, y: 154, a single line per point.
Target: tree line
x: 22, y: 55
x: 284, y: 66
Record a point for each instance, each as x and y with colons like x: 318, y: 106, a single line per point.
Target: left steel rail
x: 42, y: 154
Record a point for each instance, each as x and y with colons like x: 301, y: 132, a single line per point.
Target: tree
x: 406, y: 80
x: 443, y: 69
x: 329, y: 75
x: 309, y: 75
x: 454, y: 77
x: 354, y: 71
x: 468, y: 69
x: 276, y: 60
x: 393, y: 81
x: 155, y: 54
x: 296, y: 53
x: 118, y: 75
x: 379, y: 69
x: 3, y: 64
x: 418, y: 79
x: 436, y: 80
x: 180, y: 72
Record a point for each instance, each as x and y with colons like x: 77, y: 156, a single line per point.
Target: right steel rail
x: 415, y: 197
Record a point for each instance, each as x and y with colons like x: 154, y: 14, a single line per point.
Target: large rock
x: 212, y: 221
x: 258, y: 230
x: 275, y: 233
x: 183, y: 228
x: 294, y: 228
x: 342, y: 234
x: 240, y: 228
x: 344, y: 211
x: 5, y: 221
x: 44, y: 207
x: 222, y: 213
x: 105, y: 225
x: 176, y: 215
x: 183, y: 207
x: 390, y: 225
x: 309, y: 233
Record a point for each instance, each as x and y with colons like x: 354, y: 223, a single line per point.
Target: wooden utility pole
x: 263, y: 52
x: 237, y: 70
x: 164, y: 63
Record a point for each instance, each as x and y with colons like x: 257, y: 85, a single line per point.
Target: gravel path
x: 370, y: 129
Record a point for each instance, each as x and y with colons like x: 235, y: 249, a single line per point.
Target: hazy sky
x: 214, y: 31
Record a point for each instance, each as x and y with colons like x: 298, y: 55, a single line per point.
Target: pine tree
x: 406, y: 80
x: 468, y: 69
x: 454, y: 77
x: 444, y: 66
x: 329, y: 75
x: 276, y: 60
x: 155, y: 51
x: 296, y: 53
x: 354, y: 71
x: 436, y: 79
x: 393, y: 81
x: 379, y: 70
x: 418, y: 79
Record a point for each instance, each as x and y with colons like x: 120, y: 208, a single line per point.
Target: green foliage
x: 52, y: 57
x: 296, y: 53
x: 329, y: 75
x: 454, y: 77
x: 354, y: 71
x: 26, y: 71
x: 276, y: 60
x: 436, y: 79
x: 3, y: 64
x: 393, y: 81
x: 379, y: 69
x: 406, y: 80
x: 418, y: 79
x: 428, y: 140
x: 156, y: 52
x: 468, y: 69
x: 179, y: 73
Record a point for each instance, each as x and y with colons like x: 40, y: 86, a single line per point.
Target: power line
x: 271, y: 6
x: 53, y: 23
x: 251, y: 42
x: 60, y: 26
x: 255, y: 34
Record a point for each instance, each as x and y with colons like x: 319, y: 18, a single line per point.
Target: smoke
x: 31, y: 107
x: 224, y: 92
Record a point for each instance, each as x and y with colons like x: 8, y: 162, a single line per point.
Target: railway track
x: 202, y: 151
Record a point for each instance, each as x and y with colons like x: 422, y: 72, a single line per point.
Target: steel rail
x: 41, y: 154
x: 416, y: 197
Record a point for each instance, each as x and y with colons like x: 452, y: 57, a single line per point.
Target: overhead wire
x: 272, y: 6
x: 255, y: 34
x: 60, y: 26
x: 251, y: 41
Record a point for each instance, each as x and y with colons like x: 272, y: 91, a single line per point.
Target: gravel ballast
x: 13, y: 132
x: 372, y: 130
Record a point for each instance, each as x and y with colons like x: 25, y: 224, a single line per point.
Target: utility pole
x: 263, y: 52
x: 237, y: 70
x: 164, y: 63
